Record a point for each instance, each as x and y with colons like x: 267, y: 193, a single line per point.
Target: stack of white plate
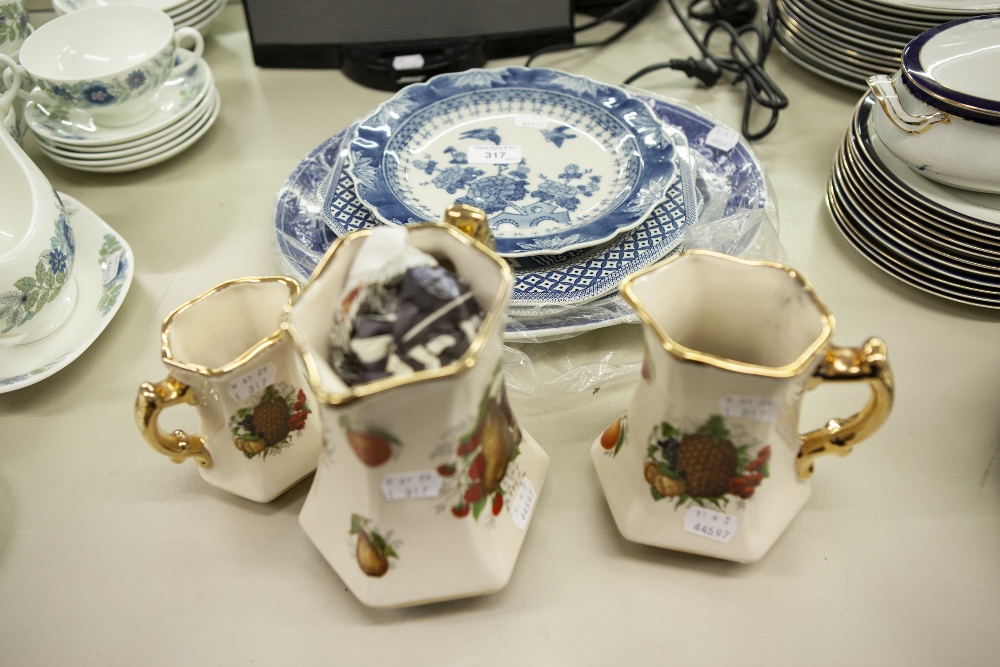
x: 194, y: 13
x: 186, y: 107
x: 847, y: 41
x: 939, y: 239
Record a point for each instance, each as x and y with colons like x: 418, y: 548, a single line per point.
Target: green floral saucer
x: 103, y: 273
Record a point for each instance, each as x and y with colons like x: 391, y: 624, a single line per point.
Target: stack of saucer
x: 847, y: 41
x: 194, y: 13
x: 186, y: 107
x: 105, y: 105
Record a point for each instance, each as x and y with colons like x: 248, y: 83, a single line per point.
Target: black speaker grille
x: 378, y: 21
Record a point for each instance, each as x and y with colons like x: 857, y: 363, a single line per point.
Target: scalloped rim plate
x: 587, y: 160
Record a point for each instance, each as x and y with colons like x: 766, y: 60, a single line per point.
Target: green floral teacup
x: 37, y: 292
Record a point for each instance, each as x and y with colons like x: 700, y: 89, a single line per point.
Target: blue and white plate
x: 103, y: 273
x: 557, y: 161
x: 570, y: 278
x: 317, y: 198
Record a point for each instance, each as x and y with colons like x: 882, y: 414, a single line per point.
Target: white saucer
x: 194, y: 10
x: 74, y: 127
x: 175, y: 9
x: 135, y: 147
x: 102, y: 282
x: 201, y: 21
x: 146, y: 159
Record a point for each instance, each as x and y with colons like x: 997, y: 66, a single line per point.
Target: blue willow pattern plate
x: 557, y: 161
x: 315, y: 199
x: 570, y: 278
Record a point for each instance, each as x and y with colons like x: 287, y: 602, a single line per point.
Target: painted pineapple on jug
x: 705, y: 466
x: 272, y: 422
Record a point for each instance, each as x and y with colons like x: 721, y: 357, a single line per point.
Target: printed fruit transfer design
x: 614, y: 436
x: 704, y: 467
x: 372, y: 446
x: 372, y: 550
x: 483, y: 456
x: 269, y: 426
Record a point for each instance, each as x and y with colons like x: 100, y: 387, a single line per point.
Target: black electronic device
x: 387, y: 44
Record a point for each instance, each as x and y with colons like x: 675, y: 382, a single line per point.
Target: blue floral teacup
x: 109, y: 60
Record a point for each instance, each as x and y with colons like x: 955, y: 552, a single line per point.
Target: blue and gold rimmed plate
x: 103, y: 273
x: 558, y: 162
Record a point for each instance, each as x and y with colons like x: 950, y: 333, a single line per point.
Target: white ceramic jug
x: 427, y: 483
x: 226, y: 355
x: 708, y: 458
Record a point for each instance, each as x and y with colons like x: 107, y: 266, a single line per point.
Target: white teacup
x: 107, y: 60
x: 37, y: 291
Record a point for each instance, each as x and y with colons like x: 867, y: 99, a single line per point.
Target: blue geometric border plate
x: 570, y: 278
x: 558, y: 161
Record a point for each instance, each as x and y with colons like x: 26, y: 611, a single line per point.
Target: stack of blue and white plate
x: 849, y: 40
x: 934, y: 126
x: 584, y: 183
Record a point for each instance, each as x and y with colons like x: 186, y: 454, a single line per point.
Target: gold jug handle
x: 472, y: 221
x: 177, y: 446
x: 870, y: 364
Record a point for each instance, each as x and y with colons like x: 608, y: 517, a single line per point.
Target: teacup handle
x: 177, y: 446
x: 868, y: 363
x: 194, y: 52
x: 12, y: 80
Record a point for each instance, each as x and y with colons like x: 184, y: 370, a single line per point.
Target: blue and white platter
x: 317, y: 204
x: 558, y: 161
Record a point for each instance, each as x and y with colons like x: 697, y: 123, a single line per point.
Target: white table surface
x: 111, y: 555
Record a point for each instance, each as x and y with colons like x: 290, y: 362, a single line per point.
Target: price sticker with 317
x: 717, y: 526
x: 494, y: 154
x: 411, y: 485
x: 253, y: 382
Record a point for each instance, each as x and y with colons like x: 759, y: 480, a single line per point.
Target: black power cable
x: 641, y: 9
x: 732, y: 18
